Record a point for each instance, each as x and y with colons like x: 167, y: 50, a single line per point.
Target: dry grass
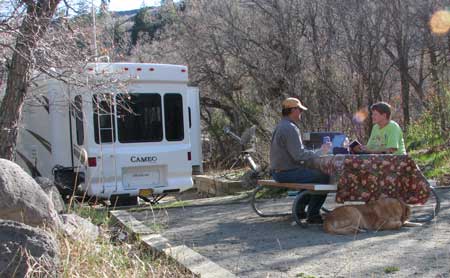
x: 104, y: 259
x: 109, y: 256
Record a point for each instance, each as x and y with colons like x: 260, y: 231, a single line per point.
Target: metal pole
x: 94, y: 29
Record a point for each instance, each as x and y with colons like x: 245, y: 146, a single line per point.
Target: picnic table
x: 362, y: 178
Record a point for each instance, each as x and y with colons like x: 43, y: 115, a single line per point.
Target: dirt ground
x: 234, y: 237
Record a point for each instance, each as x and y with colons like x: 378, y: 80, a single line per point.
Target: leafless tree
x: 248, y: 55
x: 337, y: 56
x: 33, y: 27
x: 436, y: 53
x: 39, y: 43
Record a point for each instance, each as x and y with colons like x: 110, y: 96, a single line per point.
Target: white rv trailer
x: 111, y: 143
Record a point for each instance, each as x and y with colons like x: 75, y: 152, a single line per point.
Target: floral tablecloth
x: 366, y: 177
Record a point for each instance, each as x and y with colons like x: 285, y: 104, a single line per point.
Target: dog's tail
x: 412, y: 224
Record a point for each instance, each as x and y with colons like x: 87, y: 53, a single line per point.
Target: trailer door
x: 104, y: 122
x: 195, y: 129
x: 77, y: 124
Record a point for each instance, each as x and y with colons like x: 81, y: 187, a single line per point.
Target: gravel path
x: 234, y: 237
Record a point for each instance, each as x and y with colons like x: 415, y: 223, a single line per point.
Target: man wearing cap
x: 288, y: 158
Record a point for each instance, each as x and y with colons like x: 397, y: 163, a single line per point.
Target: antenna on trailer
x: 94, y: 30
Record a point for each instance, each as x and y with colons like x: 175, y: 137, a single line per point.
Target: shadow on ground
x: 236, y: 238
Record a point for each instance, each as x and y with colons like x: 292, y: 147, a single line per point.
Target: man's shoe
x: 315, y: 220
x: 302, y: 215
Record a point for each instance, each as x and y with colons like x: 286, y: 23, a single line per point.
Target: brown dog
x: 382, y: 214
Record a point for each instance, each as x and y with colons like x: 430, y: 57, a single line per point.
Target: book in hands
x: 353, y: 144
x: 355, y: 148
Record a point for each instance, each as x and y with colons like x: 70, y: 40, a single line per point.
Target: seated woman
x: 386, y: 136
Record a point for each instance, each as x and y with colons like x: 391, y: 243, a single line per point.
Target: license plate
x: 145, y: 192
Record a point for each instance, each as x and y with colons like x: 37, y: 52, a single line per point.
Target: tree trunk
x: 437, y: 85
x: 34, y: 26
x: 403, y: 67
x: 11, y: 107
x: 404, y: 81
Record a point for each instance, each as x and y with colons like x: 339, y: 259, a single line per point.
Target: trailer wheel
x: 123, y: 201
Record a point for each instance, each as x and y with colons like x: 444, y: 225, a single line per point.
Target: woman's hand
x: 360, y: 149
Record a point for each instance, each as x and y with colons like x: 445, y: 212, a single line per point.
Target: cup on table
x: 326, y: 146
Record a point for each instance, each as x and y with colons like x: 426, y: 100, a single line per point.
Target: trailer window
x: 104, y: 125
x: 78, y: 105
x: 139, y: 118
x: 173, y: 116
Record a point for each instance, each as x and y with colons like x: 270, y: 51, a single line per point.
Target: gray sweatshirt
x: 286, y: 150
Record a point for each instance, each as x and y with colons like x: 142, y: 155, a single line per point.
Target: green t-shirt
x: 390, y: 136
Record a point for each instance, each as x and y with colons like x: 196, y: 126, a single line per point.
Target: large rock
x: 23, y: 200
x: 22, y: 246
x: 79, y: 228
x: 52, y: 192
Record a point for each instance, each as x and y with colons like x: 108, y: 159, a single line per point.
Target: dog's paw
x: 412, y: 224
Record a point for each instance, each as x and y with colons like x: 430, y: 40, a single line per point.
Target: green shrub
x: 423, y: 133
x: 426, y: 143
x: 391, y: 269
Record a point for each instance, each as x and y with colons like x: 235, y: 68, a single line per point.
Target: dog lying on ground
x: 382, y: 214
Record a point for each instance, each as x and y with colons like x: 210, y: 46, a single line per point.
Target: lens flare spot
x: 360, y: 116
x: 440, y: 22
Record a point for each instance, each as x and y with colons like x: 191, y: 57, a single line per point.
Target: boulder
x: 52, y: 192
x: 23, y: 200
x: 25, y: 250
x: 79, y: 228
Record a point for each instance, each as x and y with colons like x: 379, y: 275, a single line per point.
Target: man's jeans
x: 305, y: 175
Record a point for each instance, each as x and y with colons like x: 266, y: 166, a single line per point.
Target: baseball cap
x: 292, y: 102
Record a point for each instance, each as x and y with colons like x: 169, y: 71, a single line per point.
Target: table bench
x: 300, y: 186
x: 313, y: 188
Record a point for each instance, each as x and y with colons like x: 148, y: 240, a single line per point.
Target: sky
x: 125, y: 5
x: 114, y: 5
